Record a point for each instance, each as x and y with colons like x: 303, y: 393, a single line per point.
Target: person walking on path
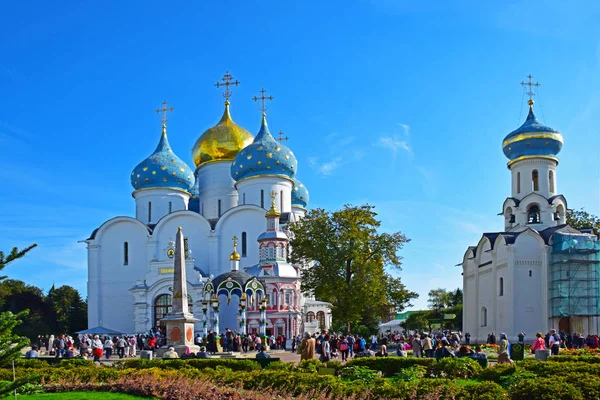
x: 427, y: 346
x: 554, y: 342
x: 307, y: 347
x: 108, y: 348
x: 503, y: 350
x: 97, y: 348
x: 539, y: 343
x: 416, y: 346
x: 344, y: 348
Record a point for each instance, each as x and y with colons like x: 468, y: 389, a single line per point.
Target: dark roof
x: 547, y: 233
x: 474, y: 250
x: 551, y: 199
x: 484, y: 264
x: 240, y: 277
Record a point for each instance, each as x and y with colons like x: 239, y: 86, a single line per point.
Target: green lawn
x: 81, y: 396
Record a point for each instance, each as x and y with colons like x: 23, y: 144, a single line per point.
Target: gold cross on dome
x: 235, y: 239
x: 281, y: 138
x: 273, y: 195
x: 227, y: 81
x: 164, y: 110
x: 531, y: 87
x: 263, y: 98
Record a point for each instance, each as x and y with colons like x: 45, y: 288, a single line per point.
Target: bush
x: 588, y: 384
x: 280, y: 366
x: 198, y: 363
x: 496, y: 372
x: 482, y: 391
x: 358, y: 373
x: 463, y: 367
x: 549, y: 369
x: 410, y: 374
x: 390, y: 366
x: 308, y: 365
x: 582, y: 359
x: 544, y: 389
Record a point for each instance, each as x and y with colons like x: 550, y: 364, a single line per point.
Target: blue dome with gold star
x: 299, y: 194
x: 265, y: 156
x: 532, y: 139
x: 162, y: 169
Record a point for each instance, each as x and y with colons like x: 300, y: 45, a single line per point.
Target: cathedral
x: 241, y: 196
x: 538, y: 273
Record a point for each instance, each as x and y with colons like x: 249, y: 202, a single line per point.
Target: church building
x: 237, y: 177
x: 537, y: 273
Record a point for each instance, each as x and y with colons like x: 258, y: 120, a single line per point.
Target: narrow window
x: 483, y: 316
x: 534, y: 180
x: 202, y: 209
x: 170, y: 207
x: 126, y: 253
x: 262, y: 198
x: 501, y: 288
x: 219, y: 207
x: 287, y: 299
x: 149, y: 211
x: 530, y: 273
x: 281, y: 201
x: 518, y: 182
x: 551, y: 181
x: 244, y: 202
x: 243, y: 244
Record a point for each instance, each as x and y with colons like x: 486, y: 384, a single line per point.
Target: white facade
x: 130, y: 264
x: 512, y: 279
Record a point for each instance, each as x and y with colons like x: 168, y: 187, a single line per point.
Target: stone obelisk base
x: 180, y: 334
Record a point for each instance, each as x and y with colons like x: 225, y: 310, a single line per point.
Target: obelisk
x: 180, y: 322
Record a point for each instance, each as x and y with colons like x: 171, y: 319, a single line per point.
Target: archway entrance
x: 563, y: 325
x: 162, y: 306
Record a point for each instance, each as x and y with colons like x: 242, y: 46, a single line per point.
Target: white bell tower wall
x: 216, y: 189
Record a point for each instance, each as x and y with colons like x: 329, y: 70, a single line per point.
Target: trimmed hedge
x: 581, y: 359
x: 198, y: 363
x: 389, y: 366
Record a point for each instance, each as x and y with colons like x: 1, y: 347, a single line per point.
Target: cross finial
x: 281, y: 138
x: 235, y: 239
x: 273, y: 195
x: 262, y: 98
x: 531, y: 85
x: 164, y: 110
x: 227, y: 81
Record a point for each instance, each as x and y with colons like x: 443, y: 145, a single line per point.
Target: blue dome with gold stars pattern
x: 532, y: 139
x: 264, y: 157
x: 299, y: 194
x: 162, y: 169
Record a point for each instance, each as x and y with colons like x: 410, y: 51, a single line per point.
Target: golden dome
x: 222, y: 142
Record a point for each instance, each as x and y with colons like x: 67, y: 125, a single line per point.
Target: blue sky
x: 400, y: 104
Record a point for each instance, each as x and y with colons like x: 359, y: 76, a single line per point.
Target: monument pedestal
x: 180, y: 333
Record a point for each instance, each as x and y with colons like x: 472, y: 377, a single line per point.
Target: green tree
x: 69, y: 308
x: 439, y: 299
x: 16, y: 296
x: 11, y: 343
x: 582, y: 219
x: 344, y: 260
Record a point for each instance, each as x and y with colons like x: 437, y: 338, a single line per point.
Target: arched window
x: 170, y: 207
x: 534, y: 180
x: 483, y: 316
x: 533, y: 215
x: 501, y: 287
x: 244, y: 197
x: 244, y: 244
x: 321, y: 318
x: 219, y: 207
x: 551, y: 181
x: 149, y: 211
x: 202, y: 209
x: 310, y: 316
x: 518, y: 182
x: 162, y: 306
x: 126, y: 253
x: 262, y: 198
x: 281, y: 201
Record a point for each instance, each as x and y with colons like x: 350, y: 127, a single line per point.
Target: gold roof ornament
x: 531, y: 86
x: 273, y: 211
x: 234, y: 256
x: 223, y: 141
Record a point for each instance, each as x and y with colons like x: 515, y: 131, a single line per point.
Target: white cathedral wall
x: 249, y: 219
x: 153, y: 204
x: 215, y: 183
x: 529, y: 295
x: 194, y: 227
x: 111, y: 278
x: 525, y: 168
x: 251, y: 191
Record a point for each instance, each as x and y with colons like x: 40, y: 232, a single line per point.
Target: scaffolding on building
x: 575, y: 275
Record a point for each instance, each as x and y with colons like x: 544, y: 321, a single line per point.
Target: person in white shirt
x: 554, y: 342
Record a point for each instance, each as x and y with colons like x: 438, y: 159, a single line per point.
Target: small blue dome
x: 532, y: 139
x: 162, y: 169
x: 265, y: 156
x: 299, y: 194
